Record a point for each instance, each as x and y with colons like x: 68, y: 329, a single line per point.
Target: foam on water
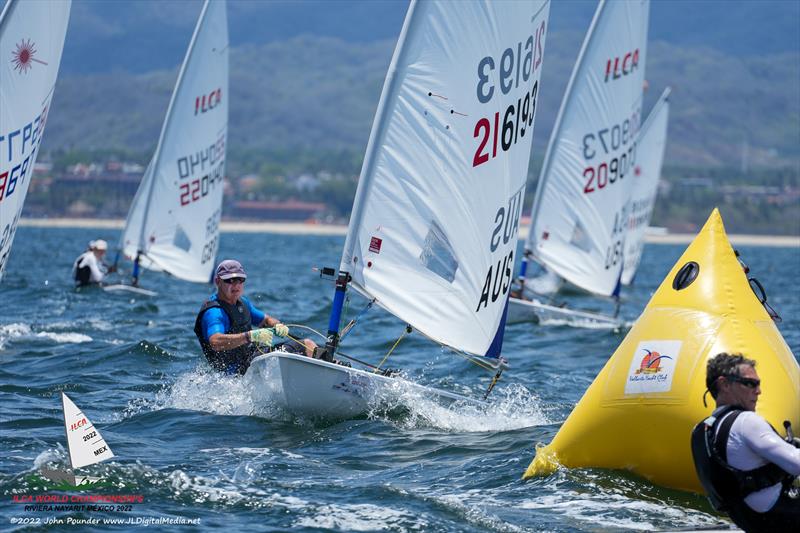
x: 474, y: 511
x: 21, y: 330
x: 608, y: 508
x: 212, y: 392
x: 512, y: 407
x: 204, y: 390
x: 583, y: 323
x: 74, y: 338
x: 226, y: 492
x: 50, y: 456
x: 13, y: 331
x: 362, y: 517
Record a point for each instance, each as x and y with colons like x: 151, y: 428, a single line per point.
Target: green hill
x: 320, y: 93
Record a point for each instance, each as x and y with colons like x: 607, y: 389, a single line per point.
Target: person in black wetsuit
x: 746, y: 467
x: 225, y: 322
x: 88, y: 268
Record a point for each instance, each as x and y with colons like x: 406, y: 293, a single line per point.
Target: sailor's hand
x: 262, y: 337
x: 281, y: 330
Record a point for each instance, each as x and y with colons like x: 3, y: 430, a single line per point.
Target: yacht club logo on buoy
x: 652, y: 367
x: 651, y: 362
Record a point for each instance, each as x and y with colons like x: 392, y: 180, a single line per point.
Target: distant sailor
x: 745, y: 466
x: 225, y: 321
x: 89, y: 268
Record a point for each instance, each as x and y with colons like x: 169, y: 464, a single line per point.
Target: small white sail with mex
x: 173, y: 223
x: 85, y: 443
x: 646, y: 173
x: 433, y: 231
x: 31, y: 41
x: 580, y: 211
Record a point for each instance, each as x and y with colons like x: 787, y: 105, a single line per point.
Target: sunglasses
x: 231, y: 281
x: 747, y: 382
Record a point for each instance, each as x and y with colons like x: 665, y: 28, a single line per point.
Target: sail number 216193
x: 515, y: 68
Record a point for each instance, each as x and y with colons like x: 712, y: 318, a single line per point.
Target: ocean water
x: 191, y: 445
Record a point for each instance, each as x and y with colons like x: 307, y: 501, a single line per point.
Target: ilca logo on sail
x: 24, y: 56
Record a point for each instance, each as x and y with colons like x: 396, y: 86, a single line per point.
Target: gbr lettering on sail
x: 513, y: 72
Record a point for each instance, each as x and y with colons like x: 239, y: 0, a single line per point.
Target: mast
x: 365, y: 182
x: 66, y: 429
x: 557, y: 127
x: 157, y: 156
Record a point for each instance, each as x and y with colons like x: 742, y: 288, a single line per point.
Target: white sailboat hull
x: 536, y: 311
x: 312, y: 388
x: 129, y: 288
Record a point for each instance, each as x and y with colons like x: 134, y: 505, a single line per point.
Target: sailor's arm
x: 214, y: 328
x: 760, y: 437
x: 96, y: 274
x: 228, y: 341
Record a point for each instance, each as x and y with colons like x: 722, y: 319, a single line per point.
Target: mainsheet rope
x: 486, y: 366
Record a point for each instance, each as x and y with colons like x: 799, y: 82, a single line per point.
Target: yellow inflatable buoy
x: 639, y: 412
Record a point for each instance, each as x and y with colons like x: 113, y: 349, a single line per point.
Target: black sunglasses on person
x: 747, y: 382
x: 231, y: 281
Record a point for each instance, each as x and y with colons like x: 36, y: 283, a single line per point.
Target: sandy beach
x: 302, y: 228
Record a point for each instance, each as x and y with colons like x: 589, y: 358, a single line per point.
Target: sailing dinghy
x: 86, y: 446
x: 580, y: 211
x: 433, y: 230
x: 31, y: 41
x: 652, y: 141
x: 173, y: 223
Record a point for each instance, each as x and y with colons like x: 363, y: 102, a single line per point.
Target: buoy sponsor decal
x: 652, y: 367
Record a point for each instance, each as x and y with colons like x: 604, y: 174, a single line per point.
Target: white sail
x: 579, y: 215
x: 31, y: 41
x: 646, y: 173
x: 86, y: 445
x: 174, y: 219
x: 433, y: 231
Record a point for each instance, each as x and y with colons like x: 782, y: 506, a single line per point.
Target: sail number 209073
x: 617, y: 142
x: 514, y: 69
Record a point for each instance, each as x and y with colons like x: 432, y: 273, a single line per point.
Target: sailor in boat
x: 747, y: 469
x: 88, y: 268
x: 225, y: 322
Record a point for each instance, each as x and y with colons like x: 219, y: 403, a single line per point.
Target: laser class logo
x: 24, y: 56
x: 652, y: 367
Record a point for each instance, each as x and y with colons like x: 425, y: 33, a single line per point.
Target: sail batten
x: 173, y: 222
x: 434, y: 228
x: 31, y: 44
x: 581, y: 205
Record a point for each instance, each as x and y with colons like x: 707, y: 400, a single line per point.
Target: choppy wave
x: 510, y: 408
x: 9, y: 332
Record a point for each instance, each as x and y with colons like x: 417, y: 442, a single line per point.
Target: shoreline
x: 303, y: 228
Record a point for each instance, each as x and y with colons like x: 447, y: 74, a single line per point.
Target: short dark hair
x: 724, y: 364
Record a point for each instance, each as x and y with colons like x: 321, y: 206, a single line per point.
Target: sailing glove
x: 261, y: 336
x: 281, y: 330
